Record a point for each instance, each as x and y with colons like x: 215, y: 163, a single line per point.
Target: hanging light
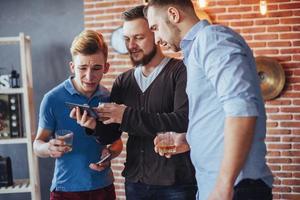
x: 202, y: 3
x: 263, y: 7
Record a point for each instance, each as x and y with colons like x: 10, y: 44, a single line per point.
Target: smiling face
x: 88, y: 71
x: 139, y: 41
x: 166, y: 32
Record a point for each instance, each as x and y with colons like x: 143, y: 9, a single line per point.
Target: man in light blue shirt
x: 227, y: 120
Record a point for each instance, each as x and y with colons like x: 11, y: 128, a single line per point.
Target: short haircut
x: 134, y: 13
x: 183, y: 4
x: 89, y: 42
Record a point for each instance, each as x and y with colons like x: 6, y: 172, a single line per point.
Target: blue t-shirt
x: 72, y: 172
x: 222, y: 82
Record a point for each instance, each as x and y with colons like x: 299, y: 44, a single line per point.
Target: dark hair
x: 183, y: 4
x: 134, y: 13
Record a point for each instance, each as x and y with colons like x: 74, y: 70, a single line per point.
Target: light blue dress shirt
x: 221, y: 82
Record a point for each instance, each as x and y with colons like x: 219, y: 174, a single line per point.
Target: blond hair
x: 89, y: 42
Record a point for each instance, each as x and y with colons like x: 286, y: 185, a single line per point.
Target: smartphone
x: 105, y: 158
x: 90, y: 111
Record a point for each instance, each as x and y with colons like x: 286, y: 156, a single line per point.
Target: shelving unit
x: 32, y: 184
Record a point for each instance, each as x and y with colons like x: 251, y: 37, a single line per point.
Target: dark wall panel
x: 52, y: 26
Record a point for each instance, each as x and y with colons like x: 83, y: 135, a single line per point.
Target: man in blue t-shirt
x: 74, y: 177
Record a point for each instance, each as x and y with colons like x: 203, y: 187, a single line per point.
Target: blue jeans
x: 141, y: 191
x: 249, y: 189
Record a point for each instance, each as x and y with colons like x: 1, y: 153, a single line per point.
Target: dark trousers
x: 141, y: 191
x: 107, y: 193
x: 249, y: 189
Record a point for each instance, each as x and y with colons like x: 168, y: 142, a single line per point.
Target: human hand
x: 111, y: 112
x: 83, y: 119
x: 222, y: 191
x: 180, y: 143
x: 103, y: 165
x: 57, y: 148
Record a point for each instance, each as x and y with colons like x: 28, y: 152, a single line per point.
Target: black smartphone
x: 90, y: 111
x: 105, y: 158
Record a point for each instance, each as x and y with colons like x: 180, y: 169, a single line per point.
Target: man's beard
x: 146, y: 58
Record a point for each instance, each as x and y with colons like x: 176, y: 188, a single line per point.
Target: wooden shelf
x: 19, y: 186
x: 9, y: 40
x: 13, y: 141
x: 32, y: 184
x: 12, y: 91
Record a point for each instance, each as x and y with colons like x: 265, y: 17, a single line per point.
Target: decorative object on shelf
x: 15, y: 114
x: 4, y: 119
x: 117, y: 41
x: 2, y: 124
x: 6, y: 178
x: 10, y: 80
x: 14, y: 79
x: 272, y: 77
x: 11, y: 116
x: 263, y: 7
x: 4, y: 81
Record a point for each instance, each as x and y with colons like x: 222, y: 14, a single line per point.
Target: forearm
x: 238, y: 137
x: 105, y: 133
x: 141, y: 123
x: 41, y: 148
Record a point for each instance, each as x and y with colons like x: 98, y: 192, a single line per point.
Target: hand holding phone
x: 90, y: 111
x: 107, y: 157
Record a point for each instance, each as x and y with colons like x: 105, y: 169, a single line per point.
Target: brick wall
x: 276, y: 35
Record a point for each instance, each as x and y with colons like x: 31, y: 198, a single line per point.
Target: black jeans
x: 141, y: 191
x: 249, y: 189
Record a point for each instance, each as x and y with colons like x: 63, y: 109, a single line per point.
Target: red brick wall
x: 276, y: 35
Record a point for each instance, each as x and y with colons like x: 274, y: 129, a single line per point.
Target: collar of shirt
x: 191, y: 34
x: 72, y: 90
x: 163, y: 62
x: 145, y: 81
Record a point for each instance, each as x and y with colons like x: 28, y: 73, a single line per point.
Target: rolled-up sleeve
x: 230, y: 72
x: 239, y: 108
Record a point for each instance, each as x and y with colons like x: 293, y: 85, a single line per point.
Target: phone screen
x: 89, y: 109
x: 105, y: 158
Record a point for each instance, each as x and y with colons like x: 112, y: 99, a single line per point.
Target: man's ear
x: 106, y: 68
x: 173, y: 15
x: 72, y: 67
